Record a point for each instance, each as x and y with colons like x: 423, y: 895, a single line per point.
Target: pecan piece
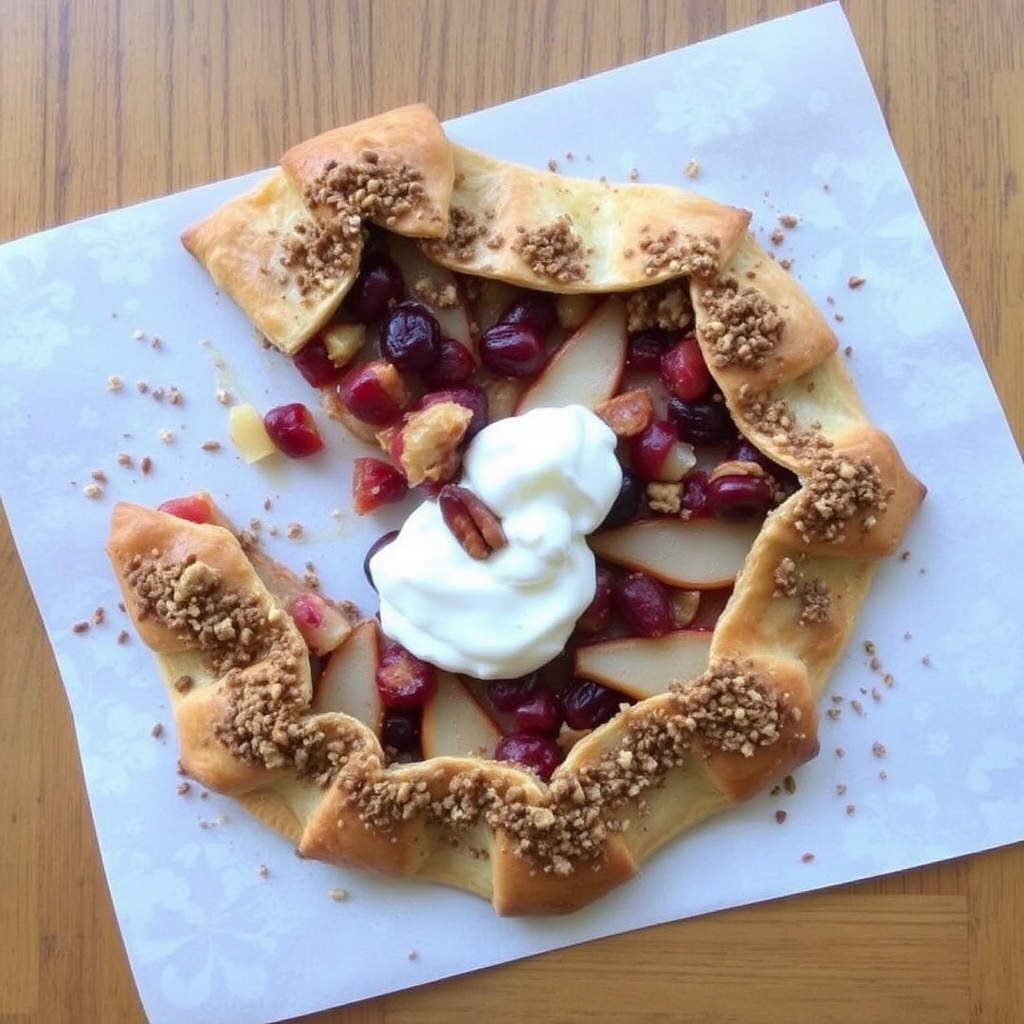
x: 476, y: 528
x: 629, y: 413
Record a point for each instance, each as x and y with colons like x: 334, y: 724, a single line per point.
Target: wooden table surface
x: 104, y: 102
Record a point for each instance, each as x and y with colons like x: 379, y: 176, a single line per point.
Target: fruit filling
x: 588, y: 501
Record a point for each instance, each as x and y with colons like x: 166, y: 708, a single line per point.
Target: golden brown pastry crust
x: 663, y: 764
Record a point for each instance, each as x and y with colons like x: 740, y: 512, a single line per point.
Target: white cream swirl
x: 551, y: 476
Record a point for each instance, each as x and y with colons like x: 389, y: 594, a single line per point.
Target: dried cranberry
x: 684, y: 372
x: 538, y: 753
x: 646, y: 349
x: 410, y: 337
x: 537, y: 310
x: 455, y: 365
x: 315, y: 365
x: 381, y: 542
x: 293, y: 430
x: 644, y: 605
x: 738, y: 498
x: 377, y: 288
x: 540, y: 714
x: 706, y: 421
x: 375, y: 483
x: 627, y: 502
x: 694, y: 498
x: 403, y: 680
x: 588, y: 704
x: 509, y: 694
x: 471, y: 397
x: 512, y: 349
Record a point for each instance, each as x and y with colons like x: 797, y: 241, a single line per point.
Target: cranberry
x: 509, y: 694
x: 737, y: 498
x: 626, y: 504
x: 706, y: 421
x: 657, y: 454
x: 588, y: 704
x: 684, y: 372
x: 472, y: 397
x: 512, y: 349
x: 694, y: 498
x: 381, y: 542
x: 537, y: 753
x: 400, y: 733
x: 315, y: 365
x: 540, y: 714
x: 645, y: 606
x: 410, y: 337
x: 308, y: 611
x: 455, y: 365
x: 377, y: 288
x: 403, y: 680
x: 374, y: 393
x: 195, y: 508
x: 741, y: 450
x: 536, y: 310
x: 646, y: 349
x: 375, y: 483
x: 598, y: 614
x: 293, y: 430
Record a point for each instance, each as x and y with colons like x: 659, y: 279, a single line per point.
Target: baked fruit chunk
x: 653, y: 505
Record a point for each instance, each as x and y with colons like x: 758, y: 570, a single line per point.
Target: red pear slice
x: 587, y: 368
x: 454, y: 320
x: 348, y: 680
x: 454, y: 725
x: 642, y: 667
x: 701, y: 555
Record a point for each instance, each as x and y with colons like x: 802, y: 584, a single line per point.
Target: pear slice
x: 454, y: 725
x: 587, y: 368
x: 454, y: 320
x: 692, y: 554
x: 348, y: 681
x: 492, y: 298
x: 643, y: 667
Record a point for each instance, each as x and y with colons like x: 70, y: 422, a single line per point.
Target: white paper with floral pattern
x: 781, y: 118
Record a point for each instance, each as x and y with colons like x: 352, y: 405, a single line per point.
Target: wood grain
x: 108, y: 102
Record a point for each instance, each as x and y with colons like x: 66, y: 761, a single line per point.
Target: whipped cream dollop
x: 551, y: 476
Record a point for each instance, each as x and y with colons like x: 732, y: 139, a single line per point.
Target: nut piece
x: 476, y: 528
x: 629, y: 413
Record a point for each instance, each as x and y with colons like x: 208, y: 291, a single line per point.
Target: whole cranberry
x: 597, y: 615
x: 742, y: 450
x: 455, y: 365
x: 410, y: 337
x: 512, y: 349
x: 403, y: 680
x: 644, y: 605
x: 400, y: 733
x: 293, y: 430
x: 684, y: 372
x: 540, y: 714
x: 315, y: 365
x: 537, y: 310
x: 378, y: 287
x: 538, y: 753
x: 694, y: 498
x: 509, y: 694
x: 588, y: 704
x: 646, y: 348
x: 381, y: 542
x: 737, y: 498
x: 627, y: 502
x: 705, y: 421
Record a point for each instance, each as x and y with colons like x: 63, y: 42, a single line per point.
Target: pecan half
x: 476, y: 528
x: 629, y: 413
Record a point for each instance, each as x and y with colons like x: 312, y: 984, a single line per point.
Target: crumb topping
x: 440, y: 296
x: 814, y: 594
x: 670, y: 252
x: 839, y: 489
x: 371, y: 188
x: 464, y: 232
x: 319, y: 257
x: 665, y: 306
x: 553, y: 250
x: 742, y: 328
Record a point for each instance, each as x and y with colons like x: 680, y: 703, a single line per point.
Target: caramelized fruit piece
x: 454, y: 724
x: 314, y: 362
x: 588, y: 704
x: 643, y: 604
x: 376, y: 483
x: 195, y: 508
x: 378, y: 287
x: 248, y: 434
x: 538, y: 753
x: 374, y: 393
x: 293, y: 430
x: 657, y: 454
x: 404, y: 680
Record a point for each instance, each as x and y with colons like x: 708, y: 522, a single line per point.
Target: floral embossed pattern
x: 921, y: 753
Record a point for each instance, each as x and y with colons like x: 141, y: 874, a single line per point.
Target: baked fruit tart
x: 652, y: 505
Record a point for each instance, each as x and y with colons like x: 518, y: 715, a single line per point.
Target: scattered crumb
x: 777, y: 237
x: 294, y: 531
x: 114, y: 383
x: 876, y: 695
x: 174, y: 396
x: 223, y: 397
x: 692, y: 168
x: 786, y: 264
x: 806, y: 858
x: 210, y: 446
x: 267, y: 504
x: 840, y: 753
x: 156, y: 341
x: 780, y: 817
x: 926, y: 660
x: 634, y: 175
x: 851, y: 809
x: 338, y: 895
x: 883, y: 775
x: 878, y: 749
x: 789, y: 220
x: 840, y: 789
x: 789, y: 784
x: 553, y: 166
x: 99, y: 476
x: 157, y: 731
x: 146, y: 464
x: 857, y: 707
x: 166, y: 436
x: 184, y: 788
x: 124, y: 460
x: 838, y: 317
x: 99, y: 616
x: 869, y: 647
x: 263, y: 871
x: 413, y: 955
x: 855, y: 281
x: 80, y: 627
x: 835, y: 714
x: 138, y: 335
x: 93, y: 490
x: 123, y: 637
x: 848, y: 351
x: 310, y: 577
x: 141, y: 386
x: 273, y: 530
